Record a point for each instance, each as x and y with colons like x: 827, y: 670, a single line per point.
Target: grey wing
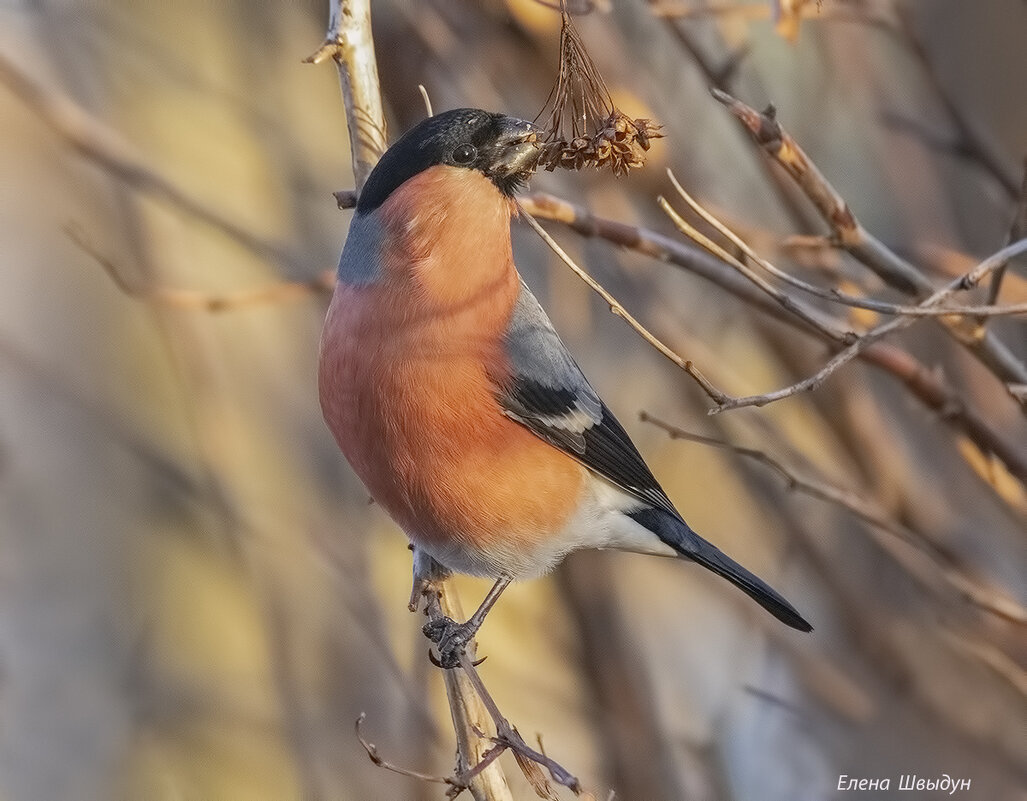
x: 548, y: 394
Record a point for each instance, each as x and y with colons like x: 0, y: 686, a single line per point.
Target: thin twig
x: 377, y: 759
x: 618, y: 310
x: 846, y: 355
x: 785, y: 301
x: 350, y: 44
x: 832, y: 294
x: 509, y: 737
x: 192, y: 299
x: 476, y: 764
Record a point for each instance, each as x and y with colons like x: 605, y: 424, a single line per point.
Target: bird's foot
x: 451, y: 639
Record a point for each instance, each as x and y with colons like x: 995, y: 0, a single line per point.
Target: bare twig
x: 281, y: 292
x: 785, y: 301
x: 508, y: 737
x: 479, y: 706
x: 617, y: 309
x: 377, y: 759
x: 971, y: 279
x: 475, y: 755
x: 849, y: 234
x: 832, y: 294
x: 350, y: 44
x: 926, y: 571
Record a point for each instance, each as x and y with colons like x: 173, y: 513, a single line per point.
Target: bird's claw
x: 451, y: 639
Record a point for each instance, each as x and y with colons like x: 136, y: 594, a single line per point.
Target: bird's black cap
x: 500, y: 147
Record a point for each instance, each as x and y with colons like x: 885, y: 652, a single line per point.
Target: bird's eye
x: 465, y: 154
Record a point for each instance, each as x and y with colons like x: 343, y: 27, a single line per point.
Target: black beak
x: 517, y: 150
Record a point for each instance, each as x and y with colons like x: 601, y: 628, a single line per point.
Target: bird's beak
x: 516, y: 147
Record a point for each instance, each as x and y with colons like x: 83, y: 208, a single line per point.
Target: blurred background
x: 197, y: 599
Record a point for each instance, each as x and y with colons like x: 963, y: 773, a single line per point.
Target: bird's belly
x: 415, y: 415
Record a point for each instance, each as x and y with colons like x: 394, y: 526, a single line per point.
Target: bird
x: 454, y: 399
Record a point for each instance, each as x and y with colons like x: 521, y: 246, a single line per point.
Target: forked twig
x: 831, y: 294
x: 850, y: 352
x: 506, y: 737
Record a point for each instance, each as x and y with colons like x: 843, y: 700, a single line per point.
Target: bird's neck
x: 449, y: 235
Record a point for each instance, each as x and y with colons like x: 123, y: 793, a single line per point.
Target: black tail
x: 675, y: 532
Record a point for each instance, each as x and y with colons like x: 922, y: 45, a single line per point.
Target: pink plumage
x: 409, y: 365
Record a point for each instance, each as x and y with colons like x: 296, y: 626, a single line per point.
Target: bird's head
x: 502, y: 148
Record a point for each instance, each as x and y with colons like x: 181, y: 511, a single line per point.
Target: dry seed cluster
x: 620, y: 143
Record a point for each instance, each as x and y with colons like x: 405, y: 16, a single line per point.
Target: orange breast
x: 405, y: 385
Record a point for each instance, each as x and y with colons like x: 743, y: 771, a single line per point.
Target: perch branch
x: 479, y: 708
x: 350, y: 44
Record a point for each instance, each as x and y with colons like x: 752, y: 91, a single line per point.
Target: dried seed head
x: 583, y: 127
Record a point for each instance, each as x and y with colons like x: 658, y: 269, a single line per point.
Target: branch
x: 849, y: 234
x: 478, y: 707
x: 350, y: 43
x: 377, y: 759
x: 969, y: 280
x: 832, y: 294
x: 192, y: 299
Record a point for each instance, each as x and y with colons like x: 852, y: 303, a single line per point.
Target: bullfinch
x: 451, y: 394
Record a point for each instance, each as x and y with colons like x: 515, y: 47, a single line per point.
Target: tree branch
x: 350, y: 44
x: 849, y: 234
x: 846, y: 355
